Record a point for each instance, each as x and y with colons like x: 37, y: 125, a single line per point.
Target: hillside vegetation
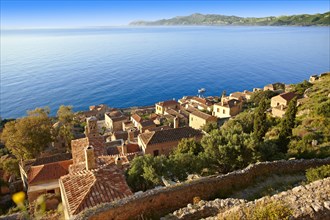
x: 213, y: 19
x: 252, y: 136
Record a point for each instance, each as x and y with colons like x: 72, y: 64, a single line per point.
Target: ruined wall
x: 167, y: 199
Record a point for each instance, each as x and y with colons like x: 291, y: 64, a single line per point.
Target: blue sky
x: 77, y: 13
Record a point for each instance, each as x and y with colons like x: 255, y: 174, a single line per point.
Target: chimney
x: 90, y: 158
x: 222, y: 100
x: 176, y: 122
x: 119, y: 161
x: 130, y: 135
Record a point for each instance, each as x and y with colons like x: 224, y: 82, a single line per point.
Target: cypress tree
x: 259, y: 124
x: 287, y: 124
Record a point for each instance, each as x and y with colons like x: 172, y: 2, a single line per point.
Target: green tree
x: 227, y: 149
x: 10, y: 165
x: 209, y: 126
x: 65, y: 117
x: 188, y: 146
x: 300, y: 88
x: 28, y: 136
x: 260, y: 124
x: 260, y: 95
x: 146, y: 171
x: 286, y: 126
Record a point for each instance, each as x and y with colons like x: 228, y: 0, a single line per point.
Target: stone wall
x: 311, y: 201
x: 161, y: 201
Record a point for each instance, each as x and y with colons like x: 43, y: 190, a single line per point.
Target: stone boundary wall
x: 160, y: 201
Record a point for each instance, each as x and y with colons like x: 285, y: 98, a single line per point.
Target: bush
x: 270, y: 211
x: 318, y: 173
x: 273, y: 210
x: 323, y: 109
x: 196, y: 200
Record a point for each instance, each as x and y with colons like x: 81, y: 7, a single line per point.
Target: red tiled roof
x: 89, y: 188
x: 288, y: 96
x: 147, y: 123
x: 136, y: 117
x: 202, y: 101
x: 49, y: 171
x: 169, y: 135
x: 78, y: 146
x: 230, y: 103
x: 120, y: 135
x: 168, y: 103
x: 132, y: 148
x: 52, y: 159
x: 203, y: 115
x: 165, y: 127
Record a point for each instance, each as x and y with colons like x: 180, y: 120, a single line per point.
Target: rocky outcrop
x: 203, y: 209
x: 311, y: 201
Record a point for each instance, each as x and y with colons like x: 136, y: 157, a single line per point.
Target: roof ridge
x: 153, y: 133
x: 85, y: 196
x: 39, y: 167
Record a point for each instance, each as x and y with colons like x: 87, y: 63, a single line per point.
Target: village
x: 93, y: 171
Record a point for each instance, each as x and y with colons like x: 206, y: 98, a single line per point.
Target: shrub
x: 318, y: 173
x: 196, y: 200
x: 272, y: 210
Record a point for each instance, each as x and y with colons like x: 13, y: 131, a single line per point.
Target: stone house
x: 313, y: 78
x: 180, y: 115
x: 114, y: 120
x: 41, y: 175
x: 242, y: 96
x: 282, y: 99
x: 279, y: 111
x: 136, y: 119
x: 162, y: 142
x: 227, y: 109
x: 94, y: 176
x: 198, y: 119
x: 145, y: 125
x: 162, y: 106
x: 274, y: 87
x: 99, y: 110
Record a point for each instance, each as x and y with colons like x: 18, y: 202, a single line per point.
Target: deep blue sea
x: 129, y: 66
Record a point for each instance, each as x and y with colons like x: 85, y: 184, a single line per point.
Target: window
x: 52, y: 191
x: 218, y: 109
x: 156, y: 153
x: 224, y: 111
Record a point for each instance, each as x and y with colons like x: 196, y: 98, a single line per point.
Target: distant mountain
x: 212, y: 19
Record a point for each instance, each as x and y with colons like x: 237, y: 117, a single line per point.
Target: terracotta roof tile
x: 78, y: 146
x: 288, y: 96
x: 203, y: 115
x: 147, y: 123
x: 230, y: 103
x: 168, y: 103
x: 132, y: 148
x: 136, y: 117
x: 49, y: 171
x: 88, y: 188
x: 169, y: 135
x: 120, y: 135
x: 52, y: 159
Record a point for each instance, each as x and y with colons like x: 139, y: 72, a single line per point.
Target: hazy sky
x: 78, y: 13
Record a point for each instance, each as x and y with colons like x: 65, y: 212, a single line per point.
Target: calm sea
x: 130, y: 66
